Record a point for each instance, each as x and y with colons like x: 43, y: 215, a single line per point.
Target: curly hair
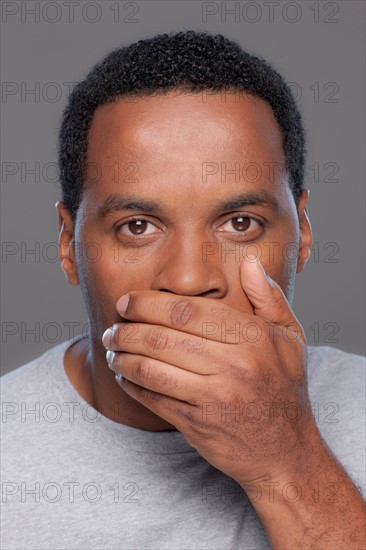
x: 191, y: 61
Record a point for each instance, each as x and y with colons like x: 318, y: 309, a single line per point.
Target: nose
x: 185, y: 270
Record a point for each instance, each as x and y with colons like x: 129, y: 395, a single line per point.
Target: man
x: 183, y: 202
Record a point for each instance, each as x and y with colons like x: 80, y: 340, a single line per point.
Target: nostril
x: 207, y: 294
x: 210, y: 293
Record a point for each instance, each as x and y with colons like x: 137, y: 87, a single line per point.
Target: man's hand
x: 233, y: 383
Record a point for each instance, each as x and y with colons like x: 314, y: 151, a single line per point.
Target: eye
x: 241, y: 224
x: 136, y: 227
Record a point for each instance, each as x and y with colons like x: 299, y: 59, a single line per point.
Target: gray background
x: 318, y: 46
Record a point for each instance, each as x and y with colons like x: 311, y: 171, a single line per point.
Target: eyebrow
x: 253, y: 198
x: 115, y: 203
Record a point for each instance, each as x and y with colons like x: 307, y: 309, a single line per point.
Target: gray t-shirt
x: 74, y: 479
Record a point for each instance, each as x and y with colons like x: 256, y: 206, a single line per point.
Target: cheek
x: 106, y: 271
x: 280, y: 258
x: 105, y: 263
x: 287, y: 279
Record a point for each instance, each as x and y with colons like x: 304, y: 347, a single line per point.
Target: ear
x: 66, y: 244
x: 306, y: 236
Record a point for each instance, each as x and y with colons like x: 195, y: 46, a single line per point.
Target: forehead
x: 222, y: 123
x: 185, y: 146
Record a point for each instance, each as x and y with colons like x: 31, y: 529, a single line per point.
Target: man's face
x: 156, y: 213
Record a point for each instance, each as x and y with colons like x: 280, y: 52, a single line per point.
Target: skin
x: 173, y: 346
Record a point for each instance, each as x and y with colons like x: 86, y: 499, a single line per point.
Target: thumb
x: 267, y: 297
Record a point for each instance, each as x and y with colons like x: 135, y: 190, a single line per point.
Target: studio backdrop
x: 47, y: 47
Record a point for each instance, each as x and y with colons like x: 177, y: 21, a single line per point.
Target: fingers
x: 267, y: 297
x: 192, y: 314
x: 196, y: 355
x: 158, y: 376
x: 205, y: 317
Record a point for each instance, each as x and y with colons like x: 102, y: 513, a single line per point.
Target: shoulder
x: 334, y: 356
x: 336, y: 376
x: 337, y: 393
x: 33, y: 377
x: 335, y: 369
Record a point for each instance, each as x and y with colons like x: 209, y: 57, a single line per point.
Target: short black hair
x: 192, y: 61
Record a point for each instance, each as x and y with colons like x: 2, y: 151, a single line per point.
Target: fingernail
x: 259, y: 264
x: 107, y: 337
x: 110, y: 356
x: 123, y: 303
x: 119, y: 377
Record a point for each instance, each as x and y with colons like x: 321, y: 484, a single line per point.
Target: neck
x: 86, y: 367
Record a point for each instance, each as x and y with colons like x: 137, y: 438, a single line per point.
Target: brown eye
x: 137, y: 226
x: 240, y: 223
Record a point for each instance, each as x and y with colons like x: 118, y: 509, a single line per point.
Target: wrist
x: 315, y: 502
